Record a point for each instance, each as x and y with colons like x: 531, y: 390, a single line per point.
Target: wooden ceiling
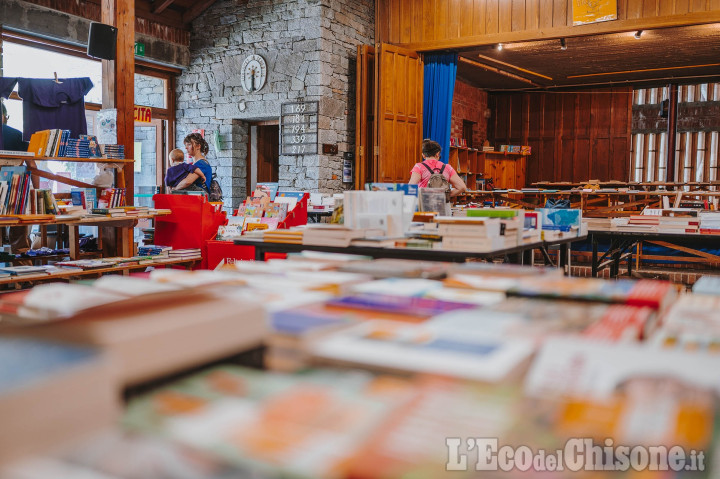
x: 680, y: 54
x: 166, y: 19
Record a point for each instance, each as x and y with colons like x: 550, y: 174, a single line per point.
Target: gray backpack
x: 438, y: 180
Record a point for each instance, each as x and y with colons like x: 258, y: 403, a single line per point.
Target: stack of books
x: 334, y: 235
x: 154, y: 250
x: 116, y: 152
x: 77, y: 148
x: 187, y: 253
x: 471, y: 234
x: 709, y: 222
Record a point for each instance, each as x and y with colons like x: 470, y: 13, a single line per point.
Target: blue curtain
x: 440, y: 72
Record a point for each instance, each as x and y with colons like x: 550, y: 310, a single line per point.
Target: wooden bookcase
x: 506, y: 169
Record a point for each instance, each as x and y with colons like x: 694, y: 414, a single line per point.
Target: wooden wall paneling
x: 699, y: 5
x: 666, y: 7
x: 467, y: 15
x: 714, y: 5
x: 416, y: 30
x: 583, y: 115
x: 454, y: 14
x: 518, y: 20
x: 479, y: 17
x: 547, y: 160
x: 545, y: 15
x: 568, y: 110
x: 505, y: 16
x: 405, y: 21
x: 600, y: 163
x: 567, y: 158
x: 622, y: 9
x: 581, y: 163
x: 396, y: 19
x: 682, y: 6
x: 601, y: 119
x: 535, y: 108
x: 492, y: 15
x: 567, y: 135
x: 502, y: 118
x: 532, y: 14
x: 634, y: 9
x: 516, y: 119
x: 650, y: 8
x: 601, y: 113
x: 428, y: 7
x: 441, y: 19
x: 560, y: 12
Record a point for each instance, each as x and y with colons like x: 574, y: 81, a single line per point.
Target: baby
x: 179, y: 169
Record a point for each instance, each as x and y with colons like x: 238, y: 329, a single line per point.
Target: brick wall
x: 469, y: 103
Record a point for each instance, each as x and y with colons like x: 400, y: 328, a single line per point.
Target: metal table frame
x: 623, y: 242
x: 518, y: 254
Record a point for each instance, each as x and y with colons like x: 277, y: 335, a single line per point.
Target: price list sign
x: 299, y: 128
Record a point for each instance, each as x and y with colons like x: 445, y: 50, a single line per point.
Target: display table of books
x: 73, y: 269
x: 376, y: 369
x: 123, y: 221
x: 603, y: 202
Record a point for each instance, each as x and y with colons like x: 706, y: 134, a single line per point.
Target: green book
x: 491, y: 213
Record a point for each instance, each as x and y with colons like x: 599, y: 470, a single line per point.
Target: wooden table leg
x: 125, y: 238
x: 43, y: 235
x: 74, y: 232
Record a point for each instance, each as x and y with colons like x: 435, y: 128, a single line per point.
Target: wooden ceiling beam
x: 493, y: 69
x: 515, y: 67
x: 161, y: 5
x: 193, y: 12
x: 617, y: 26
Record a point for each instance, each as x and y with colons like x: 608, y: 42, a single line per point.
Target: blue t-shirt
x: 48, y: 104
x: 7, y: 85
x: 207, y: 171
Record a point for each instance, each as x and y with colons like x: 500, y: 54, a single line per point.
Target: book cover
x: 276, y: 210
x: 266, y: 189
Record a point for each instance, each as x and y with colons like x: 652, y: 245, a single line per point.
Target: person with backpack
x: 197, y: 148
x: 433, y: 173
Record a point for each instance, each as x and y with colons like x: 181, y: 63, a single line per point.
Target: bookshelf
x: 72, y: 273
x: 29, y: 161
x: 474, y: 166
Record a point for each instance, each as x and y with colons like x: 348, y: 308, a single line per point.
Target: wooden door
x: 399, y: 76
x: 268, y: 145
x: 365, y: 118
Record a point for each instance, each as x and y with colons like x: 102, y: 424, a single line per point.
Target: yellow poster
x: 592, y: 11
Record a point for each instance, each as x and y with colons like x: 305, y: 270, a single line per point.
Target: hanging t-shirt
x: 48, y: 104
x: 7, y: 85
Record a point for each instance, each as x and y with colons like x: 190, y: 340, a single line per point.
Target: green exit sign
x: 139, y: 49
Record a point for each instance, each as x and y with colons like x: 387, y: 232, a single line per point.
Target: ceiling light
x: 499, y: 47
x: 638, y: 34
x: 563, y: 45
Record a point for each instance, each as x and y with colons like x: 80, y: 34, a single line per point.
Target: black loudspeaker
x: 102, y: 41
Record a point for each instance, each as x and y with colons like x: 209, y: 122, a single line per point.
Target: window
x: 696, y: 143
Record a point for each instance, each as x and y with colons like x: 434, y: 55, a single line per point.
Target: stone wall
x: 309, y: 47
